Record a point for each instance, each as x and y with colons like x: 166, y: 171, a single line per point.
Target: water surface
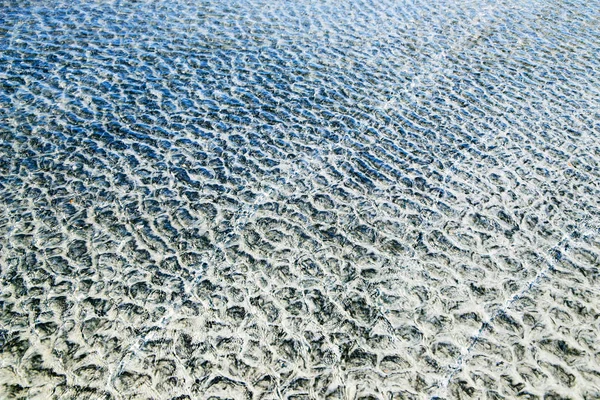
x: 299, y: 200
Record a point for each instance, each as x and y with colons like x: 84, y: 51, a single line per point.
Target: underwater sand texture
x: 299, y: 200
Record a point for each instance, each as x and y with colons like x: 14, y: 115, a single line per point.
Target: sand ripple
x: 299, y: 200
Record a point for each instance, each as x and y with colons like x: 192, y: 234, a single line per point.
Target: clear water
x: 299, y: 200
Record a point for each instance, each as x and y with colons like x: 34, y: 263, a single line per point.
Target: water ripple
x: 334, y: 199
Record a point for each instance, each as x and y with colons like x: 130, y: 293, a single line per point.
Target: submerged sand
x: 307, y: 200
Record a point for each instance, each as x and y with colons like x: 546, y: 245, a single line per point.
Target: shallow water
x: 300, y: 200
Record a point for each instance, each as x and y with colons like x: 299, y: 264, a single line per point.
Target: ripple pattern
x: 299, y: 200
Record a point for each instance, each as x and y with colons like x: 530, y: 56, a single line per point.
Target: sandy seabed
x: 299, y: 200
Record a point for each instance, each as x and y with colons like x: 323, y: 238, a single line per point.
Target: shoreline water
x: 315, y: 200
